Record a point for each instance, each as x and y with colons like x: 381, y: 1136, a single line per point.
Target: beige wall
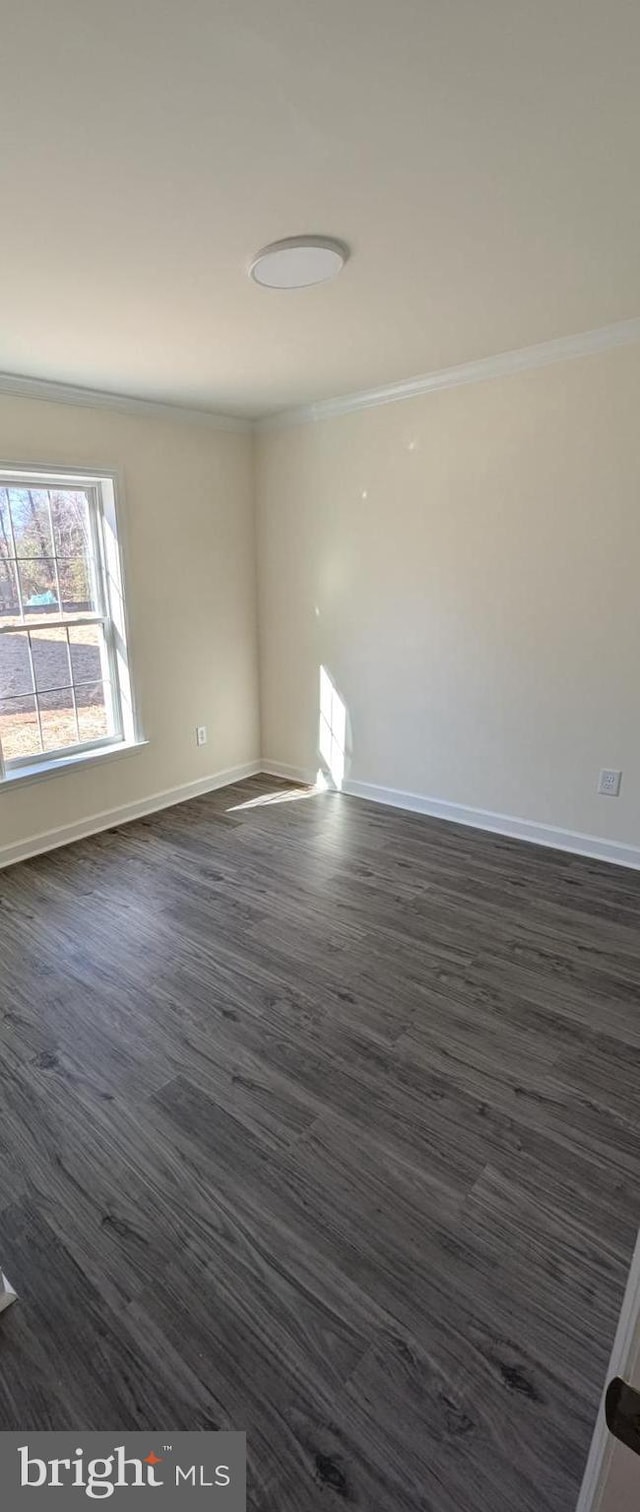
x: 188, y: 494
x: 467, y: 567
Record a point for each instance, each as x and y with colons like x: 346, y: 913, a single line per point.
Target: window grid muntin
x: 83, y: 682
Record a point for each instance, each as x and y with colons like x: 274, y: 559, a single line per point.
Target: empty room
x: 320, y: 754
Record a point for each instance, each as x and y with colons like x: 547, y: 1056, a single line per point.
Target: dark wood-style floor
x: 320, y: 1119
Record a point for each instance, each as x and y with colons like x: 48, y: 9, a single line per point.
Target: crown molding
x: 17, y: 387
x: 562, y: 349
x: 523, y: 359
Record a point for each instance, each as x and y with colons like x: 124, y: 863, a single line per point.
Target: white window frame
x: 101, y: 488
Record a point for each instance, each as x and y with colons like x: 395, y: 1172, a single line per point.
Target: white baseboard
x: 35, y: 845
x: 459, y: 813
x: 293, y: 773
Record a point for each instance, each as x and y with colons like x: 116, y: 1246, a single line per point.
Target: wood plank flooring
x: 320, y: 1120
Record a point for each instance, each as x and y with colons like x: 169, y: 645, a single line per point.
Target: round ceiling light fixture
x: 298, y: 262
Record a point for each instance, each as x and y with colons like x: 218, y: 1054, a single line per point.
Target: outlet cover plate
x: 609, y: 783
x: 201, y: 735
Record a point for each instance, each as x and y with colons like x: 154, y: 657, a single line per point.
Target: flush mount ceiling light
x: 298, y: 262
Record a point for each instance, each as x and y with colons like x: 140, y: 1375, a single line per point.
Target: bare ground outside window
x: 57, y: 703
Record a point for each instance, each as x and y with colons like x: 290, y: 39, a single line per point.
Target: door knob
x: 622, y: 1412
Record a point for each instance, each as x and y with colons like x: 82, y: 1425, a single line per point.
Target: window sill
x: 40, y: 771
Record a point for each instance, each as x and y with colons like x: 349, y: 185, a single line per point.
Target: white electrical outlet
x: 609, y: 783
x: 201, y: 734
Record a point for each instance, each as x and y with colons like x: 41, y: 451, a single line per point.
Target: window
x: 64, y: 675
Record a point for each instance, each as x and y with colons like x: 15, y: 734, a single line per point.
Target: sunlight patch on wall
x: 333, y: 728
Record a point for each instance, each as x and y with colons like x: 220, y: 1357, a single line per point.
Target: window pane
x: 74, y: 549
x: 76, y: 586
x: 31, y: 523
x: 94, y: 711
x: 50, y: 658
x: 86, y: 643
x: 9, y: 602
x: 53, y: 541
x: 58, y: 719
x: 70, y: 517
x: 38, y: 584
x: 6, y: 544
x: 19, y: 728
x: 15, y: 667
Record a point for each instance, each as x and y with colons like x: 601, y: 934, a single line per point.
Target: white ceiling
x: 480, y: 157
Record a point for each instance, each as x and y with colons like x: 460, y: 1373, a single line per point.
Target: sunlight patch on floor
x: 283, y: 795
